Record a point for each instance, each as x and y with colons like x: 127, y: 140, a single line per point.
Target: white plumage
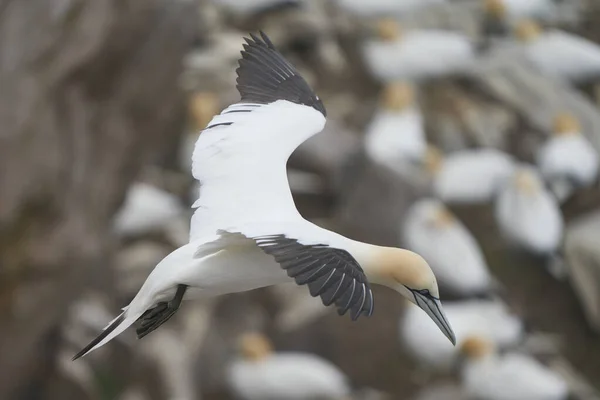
x: 560, y: 54
x: 418, y: 54
x: 527, y: 214
x: 379, y: 8
x: 490, y: 318
x: 264, y: 375
x: 451, y: 250
x: 396, y: 134
x: 567, y: 160
x: 487, y: 375
x: 469, y: 176
x: 146, y: 209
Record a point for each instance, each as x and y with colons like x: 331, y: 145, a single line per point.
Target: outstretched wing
x: 240, y: 157
x: 329, y: 272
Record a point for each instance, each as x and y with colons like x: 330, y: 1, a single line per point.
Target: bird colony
x: 419, y: 165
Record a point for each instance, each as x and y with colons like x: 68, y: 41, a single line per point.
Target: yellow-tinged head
x: 527, y: 30
x: 254, y: 346
x: 409, y: 274
x: 388, y: 29
x: 433, y: 159
x: 565, y: 124
x: 202, y: 107
x: 443, y: 218
x: 397, y: 96
x: 526, y: 181
x: 476, y: 347
x: 495, y: 8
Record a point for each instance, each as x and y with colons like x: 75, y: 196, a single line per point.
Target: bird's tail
x: 114, y: 328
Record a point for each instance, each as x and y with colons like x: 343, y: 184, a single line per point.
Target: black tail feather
x: 97, y: 340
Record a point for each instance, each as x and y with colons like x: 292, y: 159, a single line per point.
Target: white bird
x: 468, y: 176
x: 487, y: 375
x: 567, y: 160
x: 528, y: 215
x: 416, y: 54
x: 396, y: 136
x: 560, y: 54
x: 261, y: 374
x: 146, y: 209
x: 490, y: 318
x: 246, y: 232
x: 381, y: 8
x: 431, y: 230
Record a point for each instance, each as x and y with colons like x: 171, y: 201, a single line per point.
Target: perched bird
x: 431, y: 230
x: 246, y: 232
x: 146, y: 209
x: 395, y: 136
x: 529, y: 216
x: 468, y: 176
x: 381, y: 8
x: 261, y: 374
x: 487, y: 375
x: 416, y: 55
x: 490, y: 318
x: 567, y: 160
x: 560, y: 54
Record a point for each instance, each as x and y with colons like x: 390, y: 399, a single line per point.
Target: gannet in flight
x: 246, y: 232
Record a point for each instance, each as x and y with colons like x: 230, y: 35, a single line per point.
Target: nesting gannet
x: 261, y: 374
x: 487, y: 375
x: 527, y: 214
x: 490, y: 318
x: 560, y: 54
x: 468, y: 176
x: 416, y: 54
x: 381, y: 8
x: 246, y: 232
x: 146, y: 209
x: 396, y: 134
x: 431, y: 230
x: 567, y: 160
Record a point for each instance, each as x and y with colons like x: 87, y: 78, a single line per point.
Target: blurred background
x: 465, y: 130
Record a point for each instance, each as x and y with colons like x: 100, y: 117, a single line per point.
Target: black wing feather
x: 331, y: 273
x: 265, y: 76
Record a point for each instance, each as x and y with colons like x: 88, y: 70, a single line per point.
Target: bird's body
x: 293, y: 376
x: 489, y: 318
x: 419, y: 55
x: 385, y: 8
x: 247, y: 233
x: 487, y: 375
x: 447, y: 245
x: 528, y: 215
x: 471, y: 176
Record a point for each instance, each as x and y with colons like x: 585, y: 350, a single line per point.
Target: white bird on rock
x: 568, y: 160
x: 396, y: 135
x: 246, y: 232
x: 487, y: 375
x: 382, y: 8
x: 431, y: 230
x: 560, y: 54
x: 468, y: 176
x: 490, y: 318
x: 416, y: 54
x: 261, y: 374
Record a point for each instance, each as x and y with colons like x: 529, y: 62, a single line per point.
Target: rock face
x: 583, y: 258
x: 85, y: 84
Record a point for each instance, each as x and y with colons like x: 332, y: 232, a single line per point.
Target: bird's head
x: 527, y: 30
x: 495, y: 8
x: 203, y: 106
x: 397, y: 96
x: 476, y: 347
x: 432, y: 159
x: 409, y: 274
x: 388, y: 30
x: 254, y: 346
x: 526, y: 181
x: 565, y: 124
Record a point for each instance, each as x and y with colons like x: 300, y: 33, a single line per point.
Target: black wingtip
x: 98, y: 339
x: 265, y: 76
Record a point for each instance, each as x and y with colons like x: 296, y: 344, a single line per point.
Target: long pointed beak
x: 433, y: 308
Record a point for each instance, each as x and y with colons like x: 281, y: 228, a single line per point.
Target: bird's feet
x: 155, y: 317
